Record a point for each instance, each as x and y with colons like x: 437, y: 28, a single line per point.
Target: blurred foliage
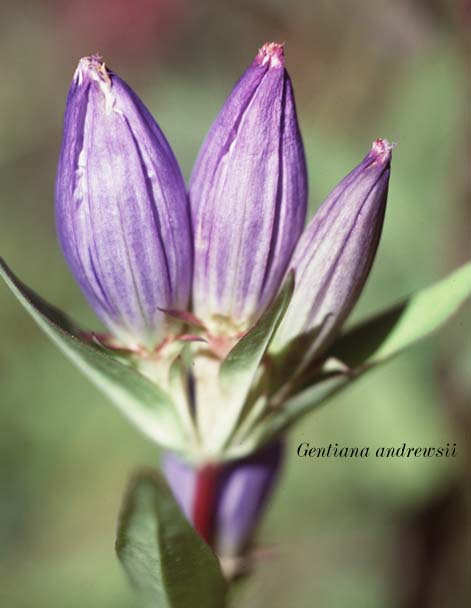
x: 340, y: 534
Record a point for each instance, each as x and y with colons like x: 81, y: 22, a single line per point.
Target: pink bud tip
x: 94, y: 67
x: 381, y: 149
x: 271, y: 53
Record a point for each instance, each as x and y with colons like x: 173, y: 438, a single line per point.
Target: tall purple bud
x: 335, y: 252
x: 121, y: 207
x: 248, y: 196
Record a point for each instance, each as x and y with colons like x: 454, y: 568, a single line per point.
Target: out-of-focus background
x: 339, y: 534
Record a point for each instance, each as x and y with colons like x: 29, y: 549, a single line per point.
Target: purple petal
x: 334, y: 255
x: 121, y: 207
x: 248, y: 195
x: 181, y: 478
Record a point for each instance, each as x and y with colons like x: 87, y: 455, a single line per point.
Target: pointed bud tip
x: 271, y: 53
x: 381, y: 149
x: 92, y: 67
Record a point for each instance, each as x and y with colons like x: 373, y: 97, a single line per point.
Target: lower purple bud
x: 242, y: 491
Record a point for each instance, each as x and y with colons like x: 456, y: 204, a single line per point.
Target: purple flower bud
x: 121, y: 207
x: 248, y: 195
x: 241, y: 492
x: 244, y: 489
x: 335, y: 252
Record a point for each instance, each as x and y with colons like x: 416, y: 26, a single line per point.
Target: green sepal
x: 166, y: 560
x: 239, y: 369
x: 242, y: 361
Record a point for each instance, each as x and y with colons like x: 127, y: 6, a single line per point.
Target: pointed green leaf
x: 143, y: 402
x: 166, y: 560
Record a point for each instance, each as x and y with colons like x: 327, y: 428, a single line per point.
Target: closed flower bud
x: 239, y: 496
x: 335, y: 252
x: 244, y: 490
x: 248, y: 196
x: 121, y: 208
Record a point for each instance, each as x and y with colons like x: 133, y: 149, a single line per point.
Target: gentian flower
x: 141, y: 250
x: 221, y: 309
x: 224, y: 314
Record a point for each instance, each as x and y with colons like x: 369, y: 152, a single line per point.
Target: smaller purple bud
x: 237, y: 500
x: 335, y: 252
x: 244, y: 490
x: 121, y: 208
x: 248, y: 195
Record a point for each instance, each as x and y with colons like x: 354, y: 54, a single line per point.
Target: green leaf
x: 240, y: 367
x: 142, y: 402
x: 360, y: 349
x: 166, y: 560
x: 387, y: 334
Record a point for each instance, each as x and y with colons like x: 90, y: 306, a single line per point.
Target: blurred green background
x: 339, y: 534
